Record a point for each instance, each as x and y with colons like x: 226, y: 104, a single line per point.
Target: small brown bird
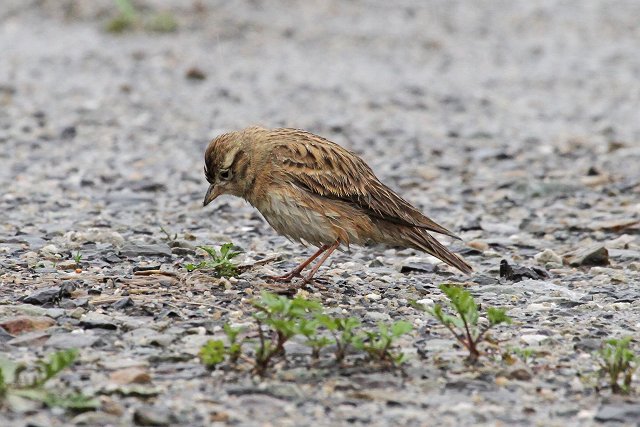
x: 314, y: 191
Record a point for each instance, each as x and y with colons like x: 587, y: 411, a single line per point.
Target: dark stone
x: 123, y: 303
x: 622, y: 413
x: 588, y: 345
x: 4, y: 335
x: 148, y: 186
x: 418, y: 267
x: 151, y: 416
x: 46, y: 296
x: 516, y: 273
x: 589, y: 256
x: 112, y: 258
x: 68, y: 133
x: 146, y: 267
x: 485, y: 280
x: 133, y: 250
x: 520, y: 374
x: 96, y: 320
x: 195, y: 73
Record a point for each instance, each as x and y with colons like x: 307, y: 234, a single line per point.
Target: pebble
x: 479, y: 245
x: 533, y: 339
x: 22, y: 324
x: 592, y: 255
x: 133, y: 250
x: 151, y: 416
x: 97, y: 320
x: 548, y: 256
x: 133, y: 375
x: 71, y: 340
x: 426, y: 301
x: 377, y: 316
x: 634, y: 266
x: 373, y: 297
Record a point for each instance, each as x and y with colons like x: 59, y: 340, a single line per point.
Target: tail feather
x: 420, y: 239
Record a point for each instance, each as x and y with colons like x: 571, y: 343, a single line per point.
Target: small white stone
x: 426, y: 301
x: 50, y: 249
x: 533, y: 339
x: 634, y: 266
x: 621, y: 242
x: 547, y: 256
x: 377, y: 316
x: 373, y: 297
x: 543, y: 306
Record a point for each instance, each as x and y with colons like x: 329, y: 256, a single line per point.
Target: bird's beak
x: 212, y: 193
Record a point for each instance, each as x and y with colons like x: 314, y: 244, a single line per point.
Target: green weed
x: 19, y: 381
x: 464, y: 324
x: 219, y: 262
x: 617, y: 359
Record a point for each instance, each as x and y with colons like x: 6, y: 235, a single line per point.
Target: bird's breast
x: 298, y: 218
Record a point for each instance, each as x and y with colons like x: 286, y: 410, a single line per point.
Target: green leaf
x: 212, y: 353
x: 211, y: 251
x: 401, y: 327
x: 497, y: 316
x: 126, y: 9
x: 192, y: 267
x: 327, y: 321
x: 56, y: 363
x: 72, y: 401
x: 400, y: 359
x: 231, y: 332
x: 462, y: 301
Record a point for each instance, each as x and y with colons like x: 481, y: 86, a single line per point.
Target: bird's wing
x: 324, y: 168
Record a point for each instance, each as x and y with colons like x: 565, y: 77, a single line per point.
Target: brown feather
x: 325, y: 168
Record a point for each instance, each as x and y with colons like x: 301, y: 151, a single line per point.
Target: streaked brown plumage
x: 313, y: 190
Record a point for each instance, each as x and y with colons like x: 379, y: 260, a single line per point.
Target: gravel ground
x: 513, y: 123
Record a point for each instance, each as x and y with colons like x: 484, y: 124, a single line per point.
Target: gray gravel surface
x: 514, y: 123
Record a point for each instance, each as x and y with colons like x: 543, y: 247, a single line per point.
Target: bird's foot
x: 282, y: 288
x: 287, y: 278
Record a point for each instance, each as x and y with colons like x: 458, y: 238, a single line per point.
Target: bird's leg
x: 329, y: 250
x: 296, y: 271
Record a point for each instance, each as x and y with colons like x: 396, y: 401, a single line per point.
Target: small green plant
x: 616, y: 359
x: 23, y: 382
x: 169, y: 237
x: 526, y: 355
x: 220, y: 263
x: 235, y: 345
x: 310, y: 329
x: 163, y: 22
x: 77, y: 258
x: 126, y: 18
x: 343, y: 331
x: 464, y: 325
x: 214, y: 352
x: 379, y: 344
x: 279, y: 317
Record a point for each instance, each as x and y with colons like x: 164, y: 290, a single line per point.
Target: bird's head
x: 226, y: 165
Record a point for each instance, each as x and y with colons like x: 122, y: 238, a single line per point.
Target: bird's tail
x: 420, y: 239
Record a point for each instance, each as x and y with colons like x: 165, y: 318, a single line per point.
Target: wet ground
x: 513, y: 123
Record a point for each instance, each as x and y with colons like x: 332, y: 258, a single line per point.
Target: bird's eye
x: 225, y: 174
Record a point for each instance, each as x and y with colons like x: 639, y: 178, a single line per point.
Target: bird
x: 316, y: 192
